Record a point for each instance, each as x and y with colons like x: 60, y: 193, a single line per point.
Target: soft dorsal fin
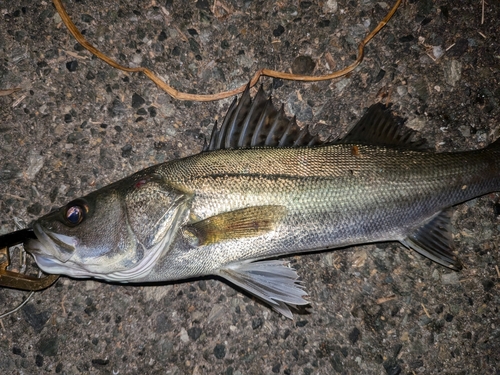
x: 379, y: 127
x: 258, y: 123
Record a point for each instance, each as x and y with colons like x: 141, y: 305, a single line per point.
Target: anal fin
x: 434, y: 240
x: 245, y: 222
x: 271, y: 281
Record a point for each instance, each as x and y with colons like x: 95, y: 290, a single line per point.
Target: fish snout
x: 52, y: 244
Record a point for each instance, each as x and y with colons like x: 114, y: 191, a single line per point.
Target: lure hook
x: 18, y: 280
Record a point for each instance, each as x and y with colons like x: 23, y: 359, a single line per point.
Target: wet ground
x: 78, y: 124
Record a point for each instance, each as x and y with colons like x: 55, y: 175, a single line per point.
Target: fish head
x: 116, y: 233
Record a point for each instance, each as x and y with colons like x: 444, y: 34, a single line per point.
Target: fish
x: 264, y: 188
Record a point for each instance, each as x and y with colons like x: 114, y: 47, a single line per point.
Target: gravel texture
x: 78, y: 124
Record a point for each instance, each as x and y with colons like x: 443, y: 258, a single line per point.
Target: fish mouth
x: 56, y: 245
x: 51, y: 251
x: 51, y: 265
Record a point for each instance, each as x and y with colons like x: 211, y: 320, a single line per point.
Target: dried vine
x: 209, y: 97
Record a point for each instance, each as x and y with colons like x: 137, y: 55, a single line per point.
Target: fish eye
x: 75, y: 213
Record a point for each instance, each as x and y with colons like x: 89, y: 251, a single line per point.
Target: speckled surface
x: 77, y: 125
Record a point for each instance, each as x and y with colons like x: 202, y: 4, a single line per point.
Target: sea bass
x: 264, y: 188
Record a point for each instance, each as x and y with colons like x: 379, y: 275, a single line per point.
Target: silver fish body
x: 330, y: 198
x: 223, y: 211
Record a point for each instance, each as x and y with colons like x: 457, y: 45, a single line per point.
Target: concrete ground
x: 77, y: 124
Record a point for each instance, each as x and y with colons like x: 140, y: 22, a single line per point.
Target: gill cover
x: 116, y: 233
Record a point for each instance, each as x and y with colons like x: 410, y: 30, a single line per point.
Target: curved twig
x: 209, y: 97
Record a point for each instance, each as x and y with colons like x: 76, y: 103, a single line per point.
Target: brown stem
x: 209, y: 97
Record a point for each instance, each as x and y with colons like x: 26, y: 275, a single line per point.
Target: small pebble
x: 257, y: 323
x: 137, y: 100
x: 100, y: 362
x: 72, y: 65
x: 137, y: 60
x: 278, y: 31
x: 330, y: 6
x: 220, y: 351
x: 402, y: 90
x: 303, y: 65
x: 437, y: 51
x: 39, y: 360
x: 450, y: 278
x: 162, y: 36
x: 87, y: 18
x: 194, y: 333
x: 184, y: 336
x: 126, y: 150
x: 354, y: 335
x: 48, y: 346
x: 452, y: 72
x: 152, y: 111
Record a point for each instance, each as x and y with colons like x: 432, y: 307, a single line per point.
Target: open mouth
x: 50, y: 250
x: 42, y: 250
x: 55, y: 245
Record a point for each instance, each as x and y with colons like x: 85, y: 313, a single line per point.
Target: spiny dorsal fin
x: 434, y: 240
x: 258, y: 123
x: 380, y: 128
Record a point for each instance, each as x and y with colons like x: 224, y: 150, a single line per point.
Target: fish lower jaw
x: 55, y: 267
x: 52, y: 265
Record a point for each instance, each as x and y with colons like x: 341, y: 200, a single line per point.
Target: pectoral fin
x: 271, y: 281
x: 246, y: 222
x: 434, y: 240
